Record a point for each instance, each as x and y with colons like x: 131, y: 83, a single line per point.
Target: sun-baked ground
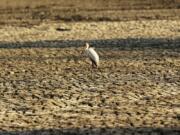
x: 46, y: 83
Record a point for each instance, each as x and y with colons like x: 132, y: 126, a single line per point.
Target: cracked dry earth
x: 47, y: 86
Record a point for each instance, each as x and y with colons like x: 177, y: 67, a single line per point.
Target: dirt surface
x: 32, y: 12
x: 47, y: 85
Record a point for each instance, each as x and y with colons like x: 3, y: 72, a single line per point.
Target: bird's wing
x: 93, y: 55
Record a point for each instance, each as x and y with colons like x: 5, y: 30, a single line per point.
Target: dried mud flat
x: 32, y: 12
x: 47, y: 87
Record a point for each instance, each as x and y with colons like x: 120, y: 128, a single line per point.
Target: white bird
x: 93, y: 56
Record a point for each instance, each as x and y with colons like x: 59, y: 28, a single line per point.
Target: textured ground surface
x: 29, y: 12
x: 46, y: 85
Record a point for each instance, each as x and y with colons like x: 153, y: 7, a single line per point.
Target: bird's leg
x: 99, y: 70
x: 92, y: 69
x: 92, y: 64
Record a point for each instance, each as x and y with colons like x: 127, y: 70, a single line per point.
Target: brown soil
x: 28, y: 12
x: 47, y: 85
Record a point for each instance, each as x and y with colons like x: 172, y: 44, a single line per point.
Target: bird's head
x: 87, y: 45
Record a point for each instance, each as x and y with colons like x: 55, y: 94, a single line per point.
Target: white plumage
x: 93, y: 56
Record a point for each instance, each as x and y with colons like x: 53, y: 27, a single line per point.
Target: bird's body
x: 93, y: 56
